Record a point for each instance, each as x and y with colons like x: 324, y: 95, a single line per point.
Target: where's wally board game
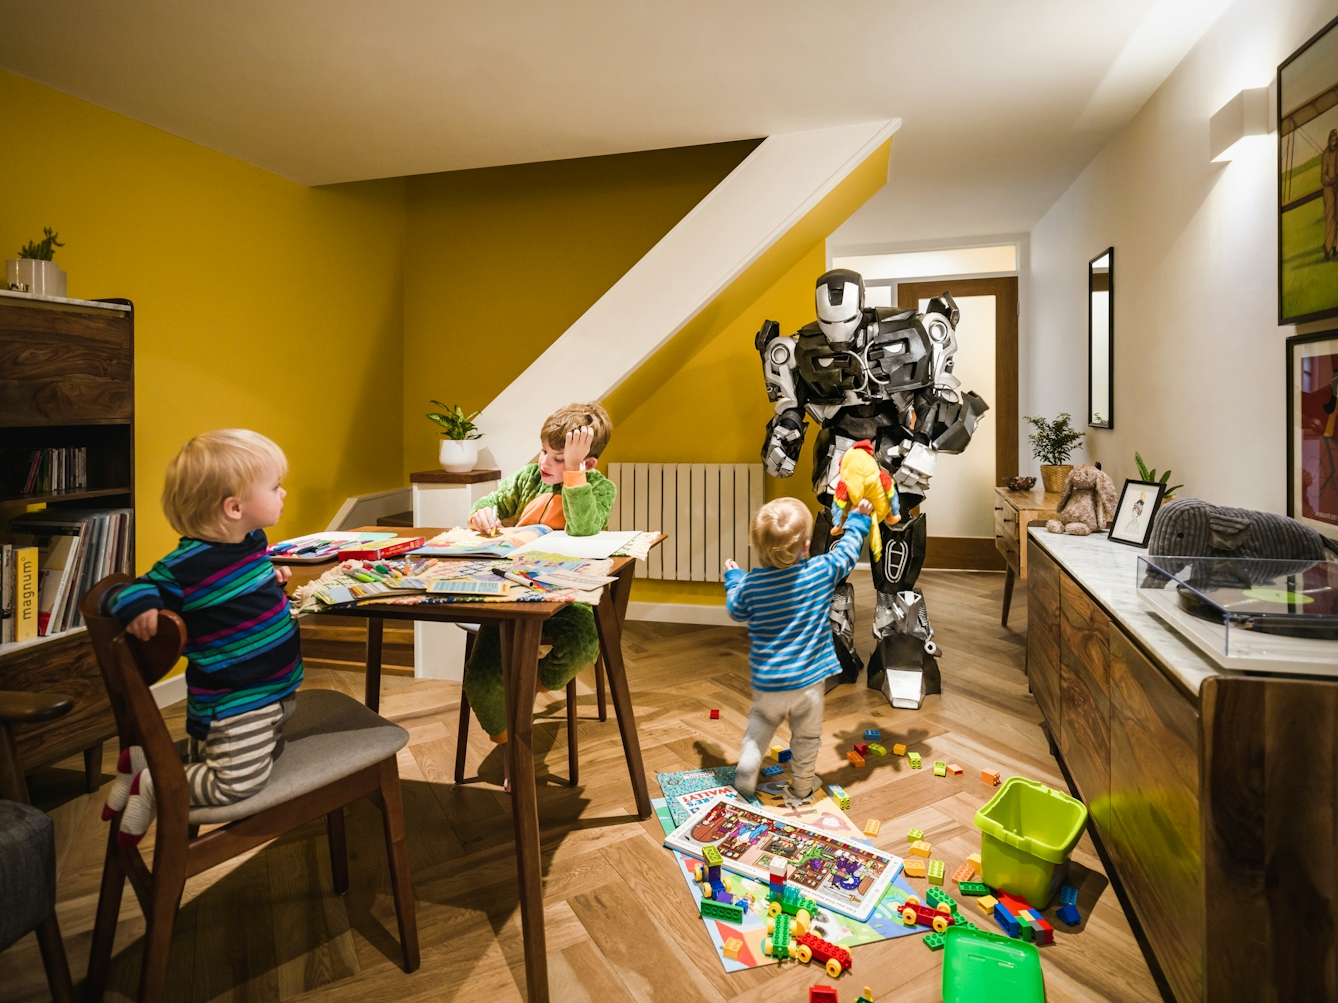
x: 844, y: 876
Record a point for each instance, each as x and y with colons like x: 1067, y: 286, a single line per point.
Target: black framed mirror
x: 1101, y: 340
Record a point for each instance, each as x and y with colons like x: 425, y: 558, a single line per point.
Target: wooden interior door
x: 975, y: 549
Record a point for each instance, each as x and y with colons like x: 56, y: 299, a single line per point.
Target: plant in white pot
x: 1052, y: 443
x: 33, y: 271
x: 459, y: 438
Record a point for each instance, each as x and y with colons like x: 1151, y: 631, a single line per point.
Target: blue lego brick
x: 785, y: 756
x: 1068, y: 913
x: 1068, y: 895
x: 722, y: 896
x: 1006, y: 920
x: 872, y: 734
x: 771, y: 771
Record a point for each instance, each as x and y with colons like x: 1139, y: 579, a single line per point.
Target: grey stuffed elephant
x: 1087, y: 504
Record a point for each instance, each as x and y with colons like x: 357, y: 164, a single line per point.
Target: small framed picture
x: 1139, y: 502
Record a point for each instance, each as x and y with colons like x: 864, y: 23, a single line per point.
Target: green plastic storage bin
x: 982, y: 967
x: 1027, y: 833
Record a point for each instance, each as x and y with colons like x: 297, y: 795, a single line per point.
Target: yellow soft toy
x: 862, y: 478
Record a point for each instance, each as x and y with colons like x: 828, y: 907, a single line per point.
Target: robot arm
x: 945, y: 422
x: 785, y: 431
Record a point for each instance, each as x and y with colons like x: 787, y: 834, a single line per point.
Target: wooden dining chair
x: 334, y: 751
x: 573, y: 766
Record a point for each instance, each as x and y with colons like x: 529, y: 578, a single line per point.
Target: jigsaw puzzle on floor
x: 845, y: 876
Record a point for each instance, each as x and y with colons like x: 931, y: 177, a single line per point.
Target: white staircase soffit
x: 710, y: 247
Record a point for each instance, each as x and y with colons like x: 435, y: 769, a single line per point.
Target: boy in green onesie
x: 562, y: 491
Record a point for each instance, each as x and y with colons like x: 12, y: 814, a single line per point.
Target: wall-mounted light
x: 1243, y: 116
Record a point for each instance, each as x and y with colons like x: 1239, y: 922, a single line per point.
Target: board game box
x: 845, y: 876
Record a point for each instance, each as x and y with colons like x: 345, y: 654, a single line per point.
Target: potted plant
x: 33, y: 271
x: 1052, y: 443
x: 459, y: 438
x: 1151, y: 475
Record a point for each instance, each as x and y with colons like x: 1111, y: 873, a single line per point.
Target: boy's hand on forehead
x: 577, y: 447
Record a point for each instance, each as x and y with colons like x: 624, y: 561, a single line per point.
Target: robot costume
x: 885, y: 375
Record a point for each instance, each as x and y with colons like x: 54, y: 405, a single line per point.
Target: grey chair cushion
x: 27, y: 870
x: 329, y: 736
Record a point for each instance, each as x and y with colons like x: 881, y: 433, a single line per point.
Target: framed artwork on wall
x: 1138, y: 505
x: 1308, y: 180
x: 1312, y: 430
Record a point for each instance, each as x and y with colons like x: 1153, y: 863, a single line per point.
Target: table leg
x: 1009, y: 578
x: 93, y: 768
x: 608, y: 619
x: 520, y: 666
x: 372, y: 693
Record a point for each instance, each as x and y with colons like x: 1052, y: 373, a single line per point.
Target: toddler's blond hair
x: 211, y: 468
x: 574, y: 416
x: 779, y: 530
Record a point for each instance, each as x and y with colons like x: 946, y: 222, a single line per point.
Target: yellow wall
x: 500, y: 261
x: 260, y: 302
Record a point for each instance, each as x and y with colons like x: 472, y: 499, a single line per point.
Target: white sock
x: 130, y: 762
x: 140, y: 808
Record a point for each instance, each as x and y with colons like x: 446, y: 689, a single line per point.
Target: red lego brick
x: 822, y: 994
x: 715, y: 714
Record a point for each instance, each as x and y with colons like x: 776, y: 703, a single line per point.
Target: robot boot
x: 903, y: 666
x: 842, y: 618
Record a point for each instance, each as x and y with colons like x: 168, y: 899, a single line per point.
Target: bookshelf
x: 66, y: 380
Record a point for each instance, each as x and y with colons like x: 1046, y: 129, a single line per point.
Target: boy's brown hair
x: 779, y: 531
x: 574, y: 416
x: 211, y: 468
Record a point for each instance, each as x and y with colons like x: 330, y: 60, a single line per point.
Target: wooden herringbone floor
x: 621, y: 926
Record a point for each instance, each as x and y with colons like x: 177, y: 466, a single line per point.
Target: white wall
x: 1199, y: 361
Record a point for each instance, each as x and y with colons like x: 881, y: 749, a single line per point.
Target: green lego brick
x: 940, y: 769
x: 936, y: 872
x: 935, y: 941
x: 1024, y: 928
x: 877, y: 749
x: 712, y: 856
x: 914, y: 757
x: 780, y: 938
x: 974, y: 888
x: 915, y: 834
x: 937, y: 896
x: 717, y: 910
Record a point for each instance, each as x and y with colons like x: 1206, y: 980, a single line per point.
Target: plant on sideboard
x: 1052, y: 444
x: 33, y: 271
x: 1151, y: 475
x: 460, y: 437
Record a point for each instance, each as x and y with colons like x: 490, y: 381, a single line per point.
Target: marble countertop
x: 66, y: 301
x: 1107, y: 571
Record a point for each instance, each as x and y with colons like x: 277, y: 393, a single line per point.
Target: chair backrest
x: 129, y: 667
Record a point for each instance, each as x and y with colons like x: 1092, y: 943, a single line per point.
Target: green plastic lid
x: 982, y: 967
x: 1033, y: 818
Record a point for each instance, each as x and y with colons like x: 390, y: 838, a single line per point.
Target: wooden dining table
x: 521, y: 627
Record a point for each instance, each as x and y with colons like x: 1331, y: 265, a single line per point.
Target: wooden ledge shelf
x: 448, y: 477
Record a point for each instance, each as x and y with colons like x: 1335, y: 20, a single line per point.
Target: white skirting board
x: 166, y: 692
x: 675, y: 612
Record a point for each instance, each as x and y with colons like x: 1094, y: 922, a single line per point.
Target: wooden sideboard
x: 1012, y: 511
x: 1215, y: 795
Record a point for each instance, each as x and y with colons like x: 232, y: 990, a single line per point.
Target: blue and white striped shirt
x: 786, y: 613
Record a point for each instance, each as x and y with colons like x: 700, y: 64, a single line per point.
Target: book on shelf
x: 77, y: 548
x: 44, y: 471
x: 25, y: 593
x: 6, y: 593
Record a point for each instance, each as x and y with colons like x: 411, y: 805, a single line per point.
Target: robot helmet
x: 840, y: 299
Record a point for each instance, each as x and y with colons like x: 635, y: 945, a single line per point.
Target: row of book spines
x: 52, y: 469
x: 19, y: 618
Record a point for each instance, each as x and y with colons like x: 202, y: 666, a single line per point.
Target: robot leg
x: 903, y: 665
x: 842, y: 611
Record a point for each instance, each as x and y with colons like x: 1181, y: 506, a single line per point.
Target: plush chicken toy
x: 862, y: 478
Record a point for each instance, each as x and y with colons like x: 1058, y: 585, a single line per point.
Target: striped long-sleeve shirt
x: 242, y: 644
x: 786, y: 613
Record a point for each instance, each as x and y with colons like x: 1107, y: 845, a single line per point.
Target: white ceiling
x: 1003, y: 101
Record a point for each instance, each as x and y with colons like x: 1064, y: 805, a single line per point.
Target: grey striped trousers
x: 238, y: 754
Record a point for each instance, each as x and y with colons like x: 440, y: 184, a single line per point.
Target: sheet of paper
x: 600, y: 545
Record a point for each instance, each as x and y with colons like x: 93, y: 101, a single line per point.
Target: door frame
x: 966, y: 552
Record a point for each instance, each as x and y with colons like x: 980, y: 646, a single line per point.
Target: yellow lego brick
x: 913, y: 868
x: 898, y: 749
x: 986, y: 904
x: 936, y: 872
x: 872, y: 826
x: 974, y: 861
x: 732, y: 948
x: 921, y: 849
x: 775, y: 751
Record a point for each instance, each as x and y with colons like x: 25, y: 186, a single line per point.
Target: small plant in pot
x: 459, y: 437
x: 33, y: 271
x: 1053, y: 443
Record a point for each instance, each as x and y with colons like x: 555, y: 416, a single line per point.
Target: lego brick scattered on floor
x: 855, y: 758
x: 872, y: 734
x: 935, y: 941
x: 921, y: 849
x: 1068, y: 913
x: 940, y: 769
x: 935, y: 874
x: 913, y: 867
x: 990, y: 777
x: 1068, y: 895
x: 915, y: 834
x: 973, y: 888
x: 784, y: 756
x: 914, y: 757
x: 771, y: 771
x: 839, y: 795
x: 986, y: 904
x: 974, y: 861
x: 877, y: 749
x: 954, y: 769
x: 964, y: 873
x: 715, y: 714
x: 732, y: 948
x: 898, y: 749
x: 862, y: 748
x: 872, y: 826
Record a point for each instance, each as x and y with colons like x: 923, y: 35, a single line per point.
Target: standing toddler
x: 785, y: 605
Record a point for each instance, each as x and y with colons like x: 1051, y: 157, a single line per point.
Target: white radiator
x: 704, y: 508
